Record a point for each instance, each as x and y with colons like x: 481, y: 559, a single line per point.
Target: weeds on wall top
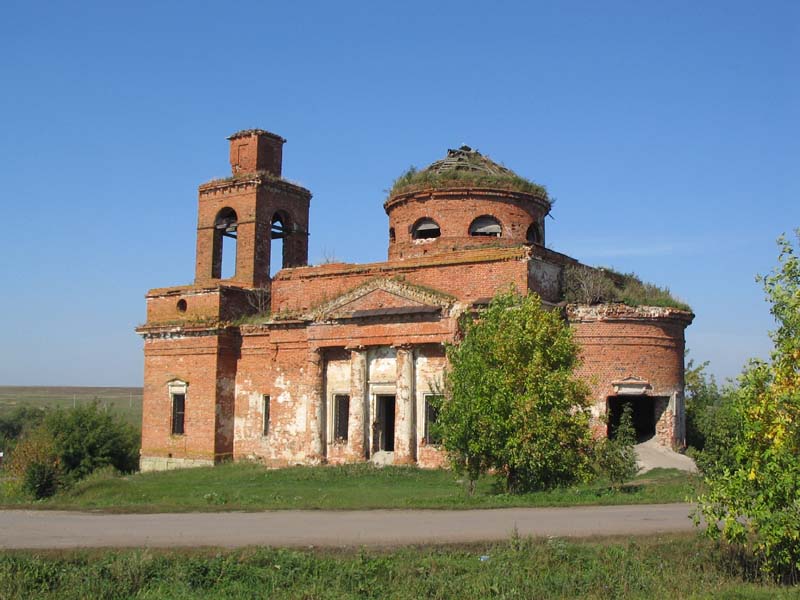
x: 589, y: 285
x: 413, y: 180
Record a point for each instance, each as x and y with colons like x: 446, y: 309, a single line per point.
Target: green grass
x: 414, y: 180
x: 590, y: 285
x: 667, y: 566
x: 249, y: 486
x: 127, y: 402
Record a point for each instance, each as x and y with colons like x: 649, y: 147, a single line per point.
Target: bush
x: 753, y: 503
x: 69, y: 445
x: 712, y: 424
x: 33, y: 456
x: 41, y: 479
x: 616, y: 458
x: 87, y: 438
x: 13, y: 425
x: 513, y: 403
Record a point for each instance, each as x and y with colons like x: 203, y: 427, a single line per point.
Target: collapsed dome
x: 463, y: 201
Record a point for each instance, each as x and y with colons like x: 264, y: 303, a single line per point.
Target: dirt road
x: 57, y: 529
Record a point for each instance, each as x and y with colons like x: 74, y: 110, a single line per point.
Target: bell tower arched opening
x: 226, y: 224
x: 280, y: 229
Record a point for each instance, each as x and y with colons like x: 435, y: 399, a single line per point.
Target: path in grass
x: 61, y: 529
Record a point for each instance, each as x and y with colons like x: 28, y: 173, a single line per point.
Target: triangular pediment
x: 382, y: 297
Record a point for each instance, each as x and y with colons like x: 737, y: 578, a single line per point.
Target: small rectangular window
x: 341, y: 417
x: 265, y: 408
x: 432, y: 403
x: 178, y: 413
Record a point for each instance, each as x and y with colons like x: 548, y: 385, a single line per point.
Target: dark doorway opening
x: 643, y: 413
x: 385, y: 423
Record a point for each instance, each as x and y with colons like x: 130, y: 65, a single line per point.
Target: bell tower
x: 243, y: 214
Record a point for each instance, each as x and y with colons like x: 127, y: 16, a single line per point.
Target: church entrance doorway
x: 643, y: 413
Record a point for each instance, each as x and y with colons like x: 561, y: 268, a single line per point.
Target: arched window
x: 281, y: 228
x: 425, y: 229
x: 534, y: 235
x: 486, y: 226
x: 177, y: 395
x: 391, y: 235
x: 224, y: 252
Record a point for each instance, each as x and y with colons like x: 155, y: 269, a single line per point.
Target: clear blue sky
x: 668, y: 132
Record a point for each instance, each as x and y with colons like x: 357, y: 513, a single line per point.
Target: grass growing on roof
x: 413, y: 180
x: 592, y: 285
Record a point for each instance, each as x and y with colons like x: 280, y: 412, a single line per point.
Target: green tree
x: 712, y: 422
x: 88, y: 438
x: 34, y: 467
x: 616, y: 458
x: 513, y: 403
x: 756, y: 501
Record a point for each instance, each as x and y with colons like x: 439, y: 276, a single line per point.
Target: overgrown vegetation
x: 66, y: 446
x: 251, y: 486
x: 15, y: 423
x: 756, y: 498
x: 712, y: 424
x: 616, y: 457
x: 412, y: 180
x: 590, y: 285
x: 666, y: 566
x: 513, y: 403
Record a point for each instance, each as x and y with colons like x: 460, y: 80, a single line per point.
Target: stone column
x: 358, y: 393
x: 405, y: 443
x: 315, y: 409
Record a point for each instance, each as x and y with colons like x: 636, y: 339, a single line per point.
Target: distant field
x: 125, y: 401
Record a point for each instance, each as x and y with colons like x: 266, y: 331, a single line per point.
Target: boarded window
x: 178, y: 413
x: 486, y: 226
x: 341, y: 416
x: 425, y: 229
x: 432, y: 404
x: 265, y: 412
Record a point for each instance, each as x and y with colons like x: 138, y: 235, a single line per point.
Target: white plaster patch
x: 546, y: 277
x: 382, y: 361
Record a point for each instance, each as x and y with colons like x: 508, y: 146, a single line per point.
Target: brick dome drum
x: 463, y: 201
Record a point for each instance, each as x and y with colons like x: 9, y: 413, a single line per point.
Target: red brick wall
x: 619, y: 342
x: 467, y: 275
x: 202, y: 304
x: 273, y: 363
x: 454, y: 210
x: 241, y: 197
x: 255, y: 202
x: 293, y: 206
x: 199, y: 361
x: 614, y: 350
x: 256, y: 150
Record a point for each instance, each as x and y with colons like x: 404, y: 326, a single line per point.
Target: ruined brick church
x: 339, y: 362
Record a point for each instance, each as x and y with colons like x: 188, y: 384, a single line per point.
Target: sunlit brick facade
x: 337, y: 362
